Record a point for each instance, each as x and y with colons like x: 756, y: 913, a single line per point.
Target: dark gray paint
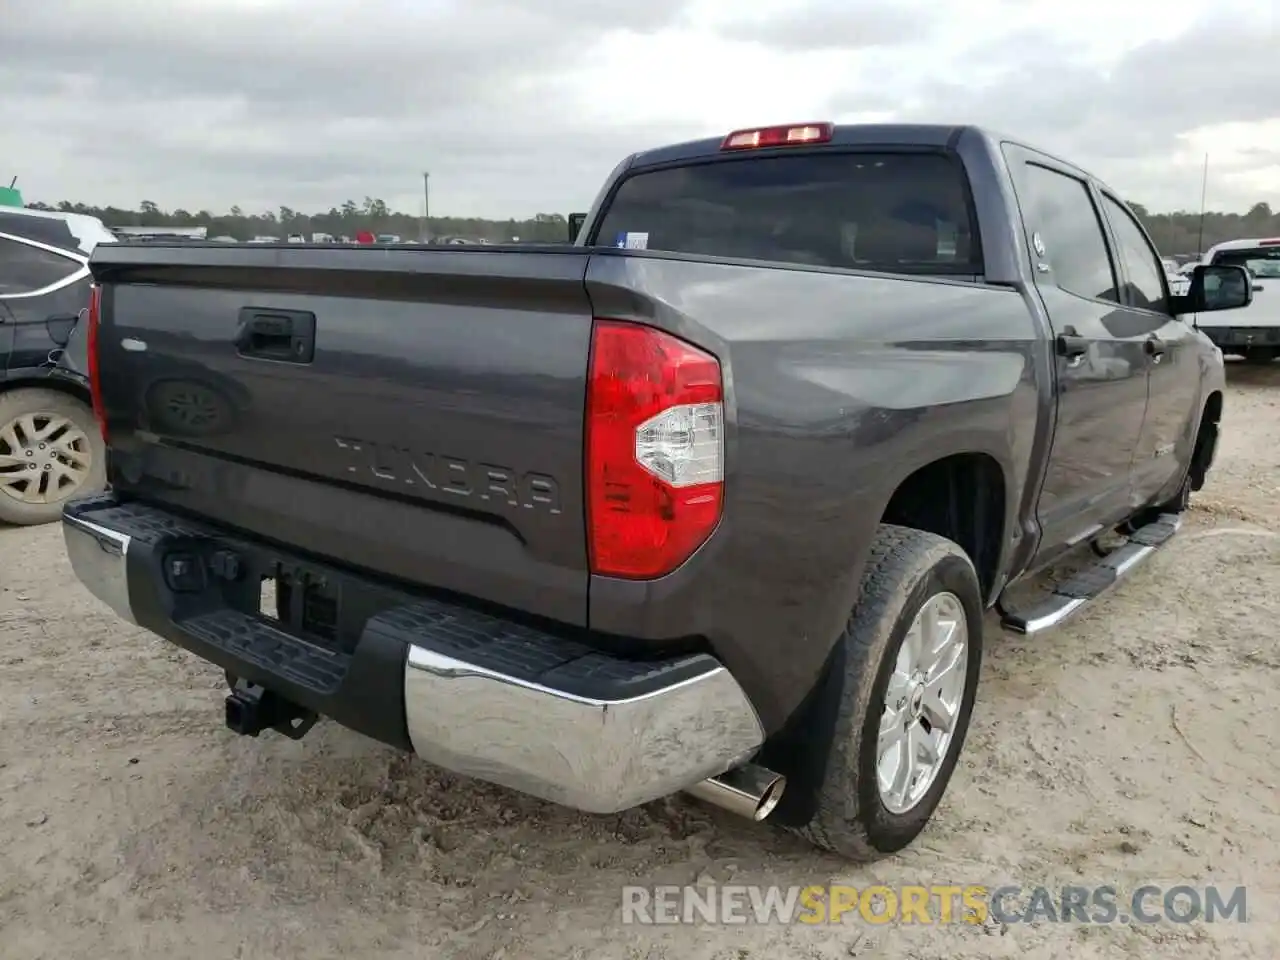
x: 439, y: 393
x: 839, y: 386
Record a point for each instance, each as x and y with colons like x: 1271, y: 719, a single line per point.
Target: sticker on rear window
x: 632, y: 241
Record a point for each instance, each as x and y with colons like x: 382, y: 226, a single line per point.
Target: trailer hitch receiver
x: 252, y: 709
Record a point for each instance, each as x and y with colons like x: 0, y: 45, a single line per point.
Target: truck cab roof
x: 923, y: 135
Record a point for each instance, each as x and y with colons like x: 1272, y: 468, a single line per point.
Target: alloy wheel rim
x: 44, y: 458
x: 922, y: 703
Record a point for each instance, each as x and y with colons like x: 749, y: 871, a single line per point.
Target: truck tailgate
x: 417, y: 413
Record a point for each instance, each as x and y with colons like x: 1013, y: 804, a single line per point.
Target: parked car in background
x: 1253, y: 333
x: 50, y: 448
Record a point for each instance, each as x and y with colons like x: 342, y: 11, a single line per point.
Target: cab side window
x: 25, y: 269
x: 1146, y: 285
x: 1064, y: 218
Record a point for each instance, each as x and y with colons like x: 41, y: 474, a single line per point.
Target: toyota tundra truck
x: 712, y: 500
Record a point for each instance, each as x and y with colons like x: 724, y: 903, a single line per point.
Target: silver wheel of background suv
x: 50, y: 451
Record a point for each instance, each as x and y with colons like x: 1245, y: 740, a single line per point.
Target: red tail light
x: 655, y: 450
x: 95, y: 377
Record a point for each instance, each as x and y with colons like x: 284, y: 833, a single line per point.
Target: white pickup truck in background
x: 1253, y: 332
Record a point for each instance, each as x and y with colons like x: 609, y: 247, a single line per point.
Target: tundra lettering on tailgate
x: 435, y: 473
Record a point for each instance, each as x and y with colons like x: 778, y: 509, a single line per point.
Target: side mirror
x: 1217, y: 287
x: 576, y: 220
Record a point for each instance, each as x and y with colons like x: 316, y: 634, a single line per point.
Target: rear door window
x: 25, y: 268
x: 903, y: 213
x: 1067, y: 234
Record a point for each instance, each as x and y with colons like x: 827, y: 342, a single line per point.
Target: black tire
x: 905, y: 569
x: 28, y: 401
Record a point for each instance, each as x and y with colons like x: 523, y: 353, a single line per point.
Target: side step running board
x: 1071, y: 596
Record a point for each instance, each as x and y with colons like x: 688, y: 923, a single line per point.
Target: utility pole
x: 1204, y: 196
x: 426, y: 206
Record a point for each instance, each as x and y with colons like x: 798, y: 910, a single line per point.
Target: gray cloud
x: 815, y: 26
x: 1122, y: 122
x: 210, y: 103
x: 259, y: 103
x: 321, y: 58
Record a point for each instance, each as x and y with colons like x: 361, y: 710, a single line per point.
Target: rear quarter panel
x: 838, y: 387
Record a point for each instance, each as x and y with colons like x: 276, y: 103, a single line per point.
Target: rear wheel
x: 905, y: 685
x: 50, y: 451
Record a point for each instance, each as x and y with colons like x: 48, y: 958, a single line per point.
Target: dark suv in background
x: 50, y: 446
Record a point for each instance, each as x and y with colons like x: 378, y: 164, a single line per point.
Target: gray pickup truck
x: 713, y: 500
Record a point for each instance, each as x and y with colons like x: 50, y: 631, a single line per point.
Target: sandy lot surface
x: 1137, y: 745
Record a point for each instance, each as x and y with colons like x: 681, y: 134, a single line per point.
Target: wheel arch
x: 1205, y: 443
x: 965, y: 497
x: 65, y: 383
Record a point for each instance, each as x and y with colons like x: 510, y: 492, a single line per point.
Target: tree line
x: 1180, y: 232
x: 345, y: 221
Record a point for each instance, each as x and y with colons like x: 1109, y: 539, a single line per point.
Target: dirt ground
x: 1136, y: 745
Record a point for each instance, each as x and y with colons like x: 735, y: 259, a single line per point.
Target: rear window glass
x: 1262, y: 262
x: 888, y: 212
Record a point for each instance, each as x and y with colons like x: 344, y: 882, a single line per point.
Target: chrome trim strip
x: 1086, y: 534
x: 75, y: 277
x: 47, y: 247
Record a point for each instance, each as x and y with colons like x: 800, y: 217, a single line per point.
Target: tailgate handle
x: 287, y: 336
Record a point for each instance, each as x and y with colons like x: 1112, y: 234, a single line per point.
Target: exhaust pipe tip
x: 749, y: 791
x: 771, y: 798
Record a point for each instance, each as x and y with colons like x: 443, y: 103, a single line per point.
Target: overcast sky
x: 521, y: 106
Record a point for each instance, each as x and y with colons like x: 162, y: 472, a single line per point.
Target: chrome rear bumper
x: 478, y: 696
x: 99, y: 557
x: 592, y: 754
